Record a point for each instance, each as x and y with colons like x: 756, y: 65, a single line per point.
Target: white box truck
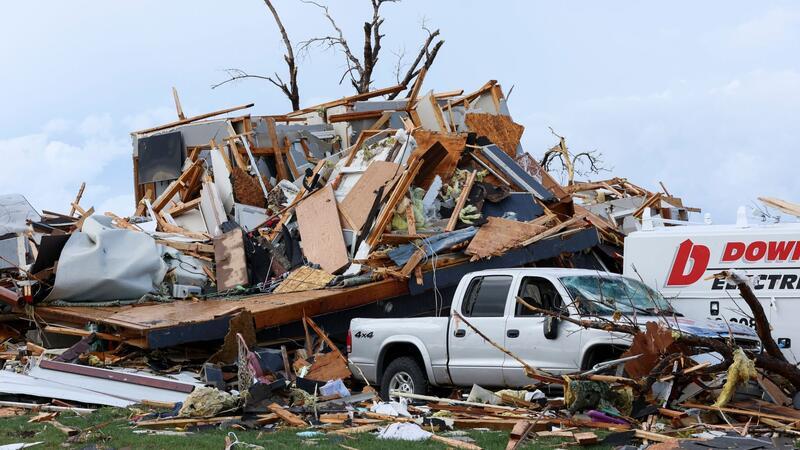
x: 678, y: 261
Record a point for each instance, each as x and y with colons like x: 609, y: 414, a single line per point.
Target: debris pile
x: 334, y: 207
x: 268, y: 233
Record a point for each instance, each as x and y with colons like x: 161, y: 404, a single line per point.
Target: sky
x: 703, y: 96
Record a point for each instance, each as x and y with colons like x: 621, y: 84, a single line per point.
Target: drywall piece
x: 321, y: 232
x: 222, y: 179
x: 249, y: 217
x: 212, y: 208
x: 14, y: 251
x: 192, y: 220
x: 160, y: 157
x: 231, y: 260
x: 429, y: 113
x: 357, y: 205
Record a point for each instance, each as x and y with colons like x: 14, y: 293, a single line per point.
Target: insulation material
x: 740, y: 371
x: 246, y: 189
x: 207, y: 402
x: 104, y: 263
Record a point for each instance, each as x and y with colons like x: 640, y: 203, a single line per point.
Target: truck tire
x: 403, y: 374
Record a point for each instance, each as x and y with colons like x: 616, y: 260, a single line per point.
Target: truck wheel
x: 403, y: 374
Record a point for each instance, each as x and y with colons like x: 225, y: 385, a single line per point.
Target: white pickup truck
x: 415, y: 353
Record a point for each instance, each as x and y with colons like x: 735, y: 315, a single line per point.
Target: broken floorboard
x: 158, y: 325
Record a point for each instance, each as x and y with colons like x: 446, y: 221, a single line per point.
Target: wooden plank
x: 77, y: 200
x: 358, y: 203
x: 178, y: 107
x: 518, y: 434
x: 587, y: 438
x: 321, y: 231
x: 346, y: 100
x: 194, y: 118
x: 328, y: 366
x: 231, y: 260
x: 462, y: 199
x: 163, y: 200
x: 287, y: 416
x: 355, y: 115
x: 280, y: 164
x: 454, y: 443
x: 650, y: 436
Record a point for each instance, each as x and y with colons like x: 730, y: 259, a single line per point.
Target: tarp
x: 103, y: 263
x: 15, y: 211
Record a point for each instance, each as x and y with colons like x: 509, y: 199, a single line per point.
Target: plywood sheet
x: 358, y: 202
x: 501, y: 130
x: 499, y: 235
x: 321, y: 231
x: 304, y: 279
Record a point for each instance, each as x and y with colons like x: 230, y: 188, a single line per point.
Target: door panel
x: 472, y: 359
x: 557, y: 355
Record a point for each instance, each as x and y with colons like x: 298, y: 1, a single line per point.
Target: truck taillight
x: 349, y: 342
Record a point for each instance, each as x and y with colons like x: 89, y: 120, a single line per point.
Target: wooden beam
x: 77, y: 199
x: 346, y: 100
x: 194, y: 119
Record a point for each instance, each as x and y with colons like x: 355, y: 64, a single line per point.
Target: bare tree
x: 360, y: 70
x: 290, y: 90
x: 572, y: 165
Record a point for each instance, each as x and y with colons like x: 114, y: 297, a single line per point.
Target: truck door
x: 473, y: 360
x: 525, y: 334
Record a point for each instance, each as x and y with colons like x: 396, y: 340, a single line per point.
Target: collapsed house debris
x: 268, y: 233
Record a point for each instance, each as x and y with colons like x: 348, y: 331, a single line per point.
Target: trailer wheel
x: 403, y: 374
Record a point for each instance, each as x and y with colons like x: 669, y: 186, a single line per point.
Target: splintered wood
x: 321, y: 231
x: 500, y: 235
x: 304, y: 279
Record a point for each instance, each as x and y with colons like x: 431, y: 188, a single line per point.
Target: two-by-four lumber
x: 287, y: 416
x: 194, y: 118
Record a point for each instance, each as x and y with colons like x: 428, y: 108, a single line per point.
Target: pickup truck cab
x: 412, y: 354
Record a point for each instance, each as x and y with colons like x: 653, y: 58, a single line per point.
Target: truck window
x: 486, y: 296
x: 538, y: 292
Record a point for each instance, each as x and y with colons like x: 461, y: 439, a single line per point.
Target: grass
x: 114, y: 430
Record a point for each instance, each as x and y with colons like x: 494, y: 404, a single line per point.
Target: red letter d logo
x: 699, y: 256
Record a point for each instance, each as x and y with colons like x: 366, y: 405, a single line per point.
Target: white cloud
x: 773, y: 27
x: 149, y: 118
x: 48, y: 170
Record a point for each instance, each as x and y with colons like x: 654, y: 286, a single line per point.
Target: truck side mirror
x: 550, y: 327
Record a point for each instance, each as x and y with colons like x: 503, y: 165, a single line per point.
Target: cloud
x: 773, y: 27
x: 48, y: 166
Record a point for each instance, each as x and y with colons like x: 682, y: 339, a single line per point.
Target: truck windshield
x: 604, y: 295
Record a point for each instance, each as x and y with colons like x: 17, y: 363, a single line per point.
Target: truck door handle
x: 512, y: 333
x: 460, y: 333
